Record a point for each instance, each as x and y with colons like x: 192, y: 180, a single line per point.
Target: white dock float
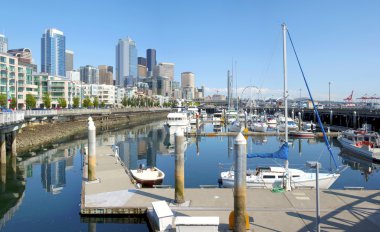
x: 162, y: 215
x: 201, y: 224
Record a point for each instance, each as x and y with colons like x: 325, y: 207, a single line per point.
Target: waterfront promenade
x: 341, y: 210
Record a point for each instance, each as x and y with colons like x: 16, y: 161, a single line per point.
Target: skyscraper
x: 166, y: 70
x: 105, y: 74
x: 126, y: 62
x: 188, y: 85
x: 141, y: 61
x: 69, y: 60
x: 3, y: 44
x: 151, y: 59
x: 89, y: 74
x: 53, y: 47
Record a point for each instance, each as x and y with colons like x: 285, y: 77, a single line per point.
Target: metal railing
x: 11, y: 117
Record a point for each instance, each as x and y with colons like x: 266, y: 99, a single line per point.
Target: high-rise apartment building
x: 89, y: 74
x: 105, y: 74
x: 126, y: 62
x: 53, y: 47
x: 3, y: 44
x: 69, y: 60
x: 151, y: 59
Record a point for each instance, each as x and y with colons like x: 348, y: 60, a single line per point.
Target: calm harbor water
x: 41, y: 192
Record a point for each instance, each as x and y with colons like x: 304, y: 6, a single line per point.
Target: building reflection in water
x: 53, y: 169
x: 366, y: 167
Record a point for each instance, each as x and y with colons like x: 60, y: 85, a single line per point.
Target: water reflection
x: 366, y: 167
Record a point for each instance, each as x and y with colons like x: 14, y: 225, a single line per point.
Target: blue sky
x: 337, y: 41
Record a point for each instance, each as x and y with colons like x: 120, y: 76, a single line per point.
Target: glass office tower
x: 53, y: 50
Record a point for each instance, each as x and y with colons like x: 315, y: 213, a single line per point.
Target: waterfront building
x: 53, y: 47
x: 24, y: 56
x: 188, y: 85
x: 126, y: 62
x: 151, y: 60
x: 69, y: 60
x: 73, y: 75
x: 3, y: 44
x: 89, y: 74
x: 105, y: 93
x: 18, y: 77
x: 164, y: 86
x: 105, y: 74
x: 119, y: 95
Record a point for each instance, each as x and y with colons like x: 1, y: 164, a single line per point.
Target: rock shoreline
x: 36, y: 135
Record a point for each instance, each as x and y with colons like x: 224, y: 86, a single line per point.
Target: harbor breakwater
x: 45, y: 133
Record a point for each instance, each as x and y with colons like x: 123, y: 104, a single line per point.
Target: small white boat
x: 271, y: 120
x: 271, y: 177
x: 203, y: 114
x: 259, y: 126
x: 231, y: 115
x: 309, y: 126
x: 235, y: 126
x: 361, y: 142
x: 148, y: 177
x: 292, y: 126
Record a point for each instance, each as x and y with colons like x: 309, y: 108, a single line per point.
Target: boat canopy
x: 280, y: 154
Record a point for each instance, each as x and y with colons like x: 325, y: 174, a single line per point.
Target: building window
x: 3, y: 59
x: 11, y: 61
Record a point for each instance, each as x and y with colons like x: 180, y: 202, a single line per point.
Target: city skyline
x: 337, y: 41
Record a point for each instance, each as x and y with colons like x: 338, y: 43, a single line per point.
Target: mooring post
x: 354, y: 119
x: 299, y: 120
x: 179, y: 197
x: 13, y: 143
x: 240, y: 189
x: 331, y: 118
x: 3, y: 149
x: 91, y: 150
x: 293, y: 114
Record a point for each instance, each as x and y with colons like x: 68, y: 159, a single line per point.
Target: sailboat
x: 271, y: 177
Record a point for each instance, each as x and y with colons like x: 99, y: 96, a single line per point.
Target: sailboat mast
x: 285, y: 82
x: 287, y: 179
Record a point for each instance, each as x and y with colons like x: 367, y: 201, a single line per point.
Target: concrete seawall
x: 35, y: 135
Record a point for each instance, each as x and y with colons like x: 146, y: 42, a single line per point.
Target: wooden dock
x: 341, y: 210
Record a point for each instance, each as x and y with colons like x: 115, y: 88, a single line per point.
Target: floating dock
x: 114, y: 194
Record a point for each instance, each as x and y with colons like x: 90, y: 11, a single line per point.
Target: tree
x: 96, y: 102
x: 3, y: 100
x: 87, y: 102
x: 124, y: 102
x: 62, y: 103
x: 103, y: 104
x: 46, y: 99
x: 76, y: 102
x: 13, y: 103
x: 30, y: 101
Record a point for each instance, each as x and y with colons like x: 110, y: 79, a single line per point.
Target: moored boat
x: 362, y: 142
x: 271, y: 177
x: 301, y: 134
x: 148, y: 177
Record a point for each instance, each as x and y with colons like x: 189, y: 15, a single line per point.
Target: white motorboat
x: 271, y: 120
x: 259, y: 126
x: 176, y: 120
x: 203, y: 114
x: 292, y: 126
x: 231, y: 115
x: 148, y: 177
x: 309, y: 126
x: 361, y: 142
x: 272, y: 177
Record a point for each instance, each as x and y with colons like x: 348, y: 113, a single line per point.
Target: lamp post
x: 7, y: 86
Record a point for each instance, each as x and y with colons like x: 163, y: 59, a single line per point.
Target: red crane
x: 349, y: 98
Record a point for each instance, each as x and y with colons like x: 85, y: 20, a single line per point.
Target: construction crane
x: 349, y: 98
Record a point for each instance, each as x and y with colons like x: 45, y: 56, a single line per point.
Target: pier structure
x: 115, y: 194
x: 10, y: 123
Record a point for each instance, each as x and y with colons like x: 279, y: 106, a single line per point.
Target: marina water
x: 41, y: 191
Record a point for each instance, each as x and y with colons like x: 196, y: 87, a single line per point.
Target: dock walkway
x: 341, y: 210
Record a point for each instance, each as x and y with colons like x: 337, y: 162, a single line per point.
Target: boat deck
x: 341, y: 210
